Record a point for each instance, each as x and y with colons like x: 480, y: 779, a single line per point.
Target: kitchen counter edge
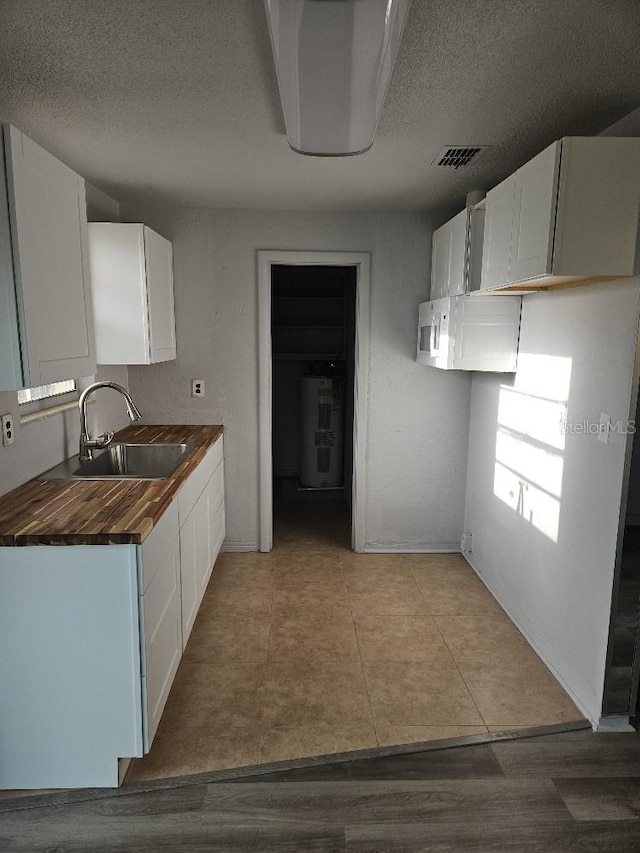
x: 101, y: 512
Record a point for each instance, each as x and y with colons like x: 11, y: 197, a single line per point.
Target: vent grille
x: 456, y: 156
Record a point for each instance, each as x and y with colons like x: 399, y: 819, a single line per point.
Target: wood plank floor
x: 562, y: 793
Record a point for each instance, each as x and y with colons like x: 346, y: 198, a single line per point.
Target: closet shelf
x: 307, y: 326
x: 308, y: 356
x: 306, y: 298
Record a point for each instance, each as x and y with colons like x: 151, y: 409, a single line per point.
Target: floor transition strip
x: 290, y: 768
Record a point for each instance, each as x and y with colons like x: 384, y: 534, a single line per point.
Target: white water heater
x: 321, y: 432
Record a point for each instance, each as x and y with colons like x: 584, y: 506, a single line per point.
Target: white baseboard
x: 538, y: 645
x: 615, y: 723
x: 228, y: 546
x: 412, y: 548
x: 370, y: 548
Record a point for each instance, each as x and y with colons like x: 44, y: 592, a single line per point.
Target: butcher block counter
x: 101, y: 512
x: 94, y: 635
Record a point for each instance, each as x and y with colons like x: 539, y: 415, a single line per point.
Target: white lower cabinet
x: 160, y: 619
x: 216, y: 514
x: 201, y: 506
x: 194, y: 561
x: 93, y: 635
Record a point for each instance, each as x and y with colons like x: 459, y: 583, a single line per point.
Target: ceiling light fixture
x: 334, y: 59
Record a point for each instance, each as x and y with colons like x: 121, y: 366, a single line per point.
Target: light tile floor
x: 314, y: 649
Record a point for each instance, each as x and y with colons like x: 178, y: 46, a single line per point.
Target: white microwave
x: 469, y: 333
x: 433, y: 331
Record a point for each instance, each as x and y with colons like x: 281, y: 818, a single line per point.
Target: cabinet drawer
x: 157, y: 544
x: 196, y: 483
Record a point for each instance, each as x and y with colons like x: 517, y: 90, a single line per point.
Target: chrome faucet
x: 88, y: 445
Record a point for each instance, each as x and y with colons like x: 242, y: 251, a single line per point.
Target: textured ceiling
x: 176, y: 100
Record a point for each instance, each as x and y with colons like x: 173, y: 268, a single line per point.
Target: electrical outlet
x: 8, y: 436
x: 198, y: 387
x: 605, y: 428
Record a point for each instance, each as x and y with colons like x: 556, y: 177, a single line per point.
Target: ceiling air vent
x: 458, y: 155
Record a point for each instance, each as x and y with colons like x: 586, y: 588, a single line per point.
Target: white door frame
x: 362, y: 262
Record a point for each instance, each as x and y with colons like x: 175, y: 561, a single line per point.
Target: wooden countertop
x: 100, y: 512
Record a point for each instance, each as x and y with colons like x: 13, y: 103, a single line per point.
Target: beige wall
x: 417, y: 417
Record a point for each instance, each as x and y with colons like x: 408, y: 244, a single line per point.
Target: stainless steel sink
x: 123, y: 462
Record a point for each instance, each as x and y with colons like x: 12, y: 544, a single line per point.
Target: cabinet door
x: 194, y: 561
x: 486, y: 334
x: 49, y: 230
x: 162, y: 638
x: 116, y: 253
x: 497, y: 235
x: 474, y: 249
x: 216, y: 517
x: 458, y: 228
x: 440, y: 250
x: 159, y: 268
x: 536, y: 192
x: 10, y: 356
x: 218, y: 528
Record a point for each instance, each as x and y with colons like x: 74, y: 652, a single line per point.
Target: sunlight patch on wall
x: 539, y: 466
x: 530, y: 441
x: 537, y: 418
x: 546, y: 376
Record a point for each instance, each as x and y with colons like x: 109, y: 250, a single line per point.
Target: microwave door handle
x: 435, y: 330
x: 432, y: 338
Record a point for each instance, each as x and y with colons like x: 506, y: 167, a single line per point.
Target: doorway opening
x: 623, y: 657
x: 313, y: 345
x: 313, y: 368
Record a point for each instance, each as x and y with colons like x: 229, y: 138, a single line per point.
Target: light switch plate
x: 605, y: 428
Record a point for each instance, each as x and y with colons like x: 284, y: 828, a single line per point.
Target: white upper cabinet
x: 459, y: 229
x: 534, y: 209
x: 497, y: 234
x: 449, y: 257
x: 440, y: 251
x: 46, y: 323
x: 568, y: 215
x: 132, y: 283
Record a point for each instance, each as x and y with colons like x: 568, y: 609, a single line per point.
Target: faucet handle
x: 100, y: 441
